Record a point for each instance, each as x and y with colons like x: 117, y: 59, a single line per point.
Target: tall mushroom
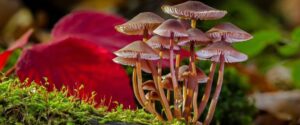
x: 140, y: 51
x: 219, y: 52
x: 171, y: 29
x: 224, y: 32
x: 144, y: 24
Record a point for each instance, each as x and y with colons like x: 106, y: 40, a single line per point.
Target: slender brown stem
x: 215, y: 98
x: 195, y: 105
x: 135, y: 87
x: 146, y: 103
x: 192, y: 81
x: 177, y: 100
x: 207, y: 90
x: 177, y: 64
x: 192, y: 58
x: 159, y: 87
x: 184, y: 89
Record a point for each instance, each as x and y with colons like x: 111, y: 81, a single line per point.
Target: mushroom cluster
x: 163, y: 40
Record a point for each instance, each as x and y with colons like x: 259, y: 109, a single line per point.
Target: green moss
x: 33, y: 104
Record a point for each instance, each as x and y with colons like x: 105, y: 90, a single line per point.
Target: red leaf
x: 4, y: 56
x: 93, y: 26
x: 73, y: 61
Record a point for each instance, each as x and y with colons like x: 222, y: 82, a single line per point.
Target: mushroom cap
x: 136, y: 48
x: 184, y: 72
x: 152, y: 96
x: 137, y: 24
x: 156, y: 42
x: 229, y: 33
x: 201, y: 76
x: 149, y: 85
x: 213, y: 52
x: 132, y: 62
x: 194, y: 10
x: 195, y: 35
x: 171, y: 26
x: 167, y: 83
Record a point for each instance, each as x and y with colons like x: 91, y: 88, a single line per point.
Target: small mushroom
x: 152, y: 95
x: 140, y: 51
x: 214, y: 51
x: 228, y: 33
x: 149, y: 85
x: 194, y: 10
x: 142, y: 24
x: 172, y: 28
x: 160, y: 42
x: 137, y: 49
x: 219, y: 52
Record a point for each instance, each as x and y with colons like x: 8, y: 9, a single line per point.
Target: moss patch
x: 33, y: 104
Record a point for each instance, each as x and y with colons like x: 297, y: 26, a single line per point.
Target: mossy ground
x: 34, y: 105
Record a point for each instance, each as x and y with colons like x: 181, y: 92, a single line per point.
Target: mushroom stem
x: 135, y: 87
x: 195, y: 106
x: 177, y: 64
x: 184, y: 92
x: 214, y: 100
x: 159, y: 87
x: 146, y: 103
x: 145, y: 35
x: 207, y: 90
x: 192, y: 58
x: 177, y: 100
x: 193, y: 23
x: 192, y: 81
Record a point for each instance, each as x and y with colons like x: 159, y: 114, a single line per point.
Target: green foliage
x: 32, y: 104
x: 292, y: 47
x: 295, y: 66
x: 260, y: 41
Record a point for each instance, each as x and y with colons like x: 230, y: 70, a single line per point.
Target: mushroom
x: 140, y: 51
x: 194, y: 10
x: 142, y: 24
x: 172, y: 28
x: 229, y: 33
x: 161, y: 43
x: 218, y: 52
x: 149, y: 85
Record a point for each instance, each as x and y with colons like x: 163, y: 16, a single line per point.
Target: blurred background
x: 262, y: 91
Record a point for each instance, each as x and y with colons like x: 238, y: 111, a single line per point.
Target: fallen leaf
x: 72, y: 61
